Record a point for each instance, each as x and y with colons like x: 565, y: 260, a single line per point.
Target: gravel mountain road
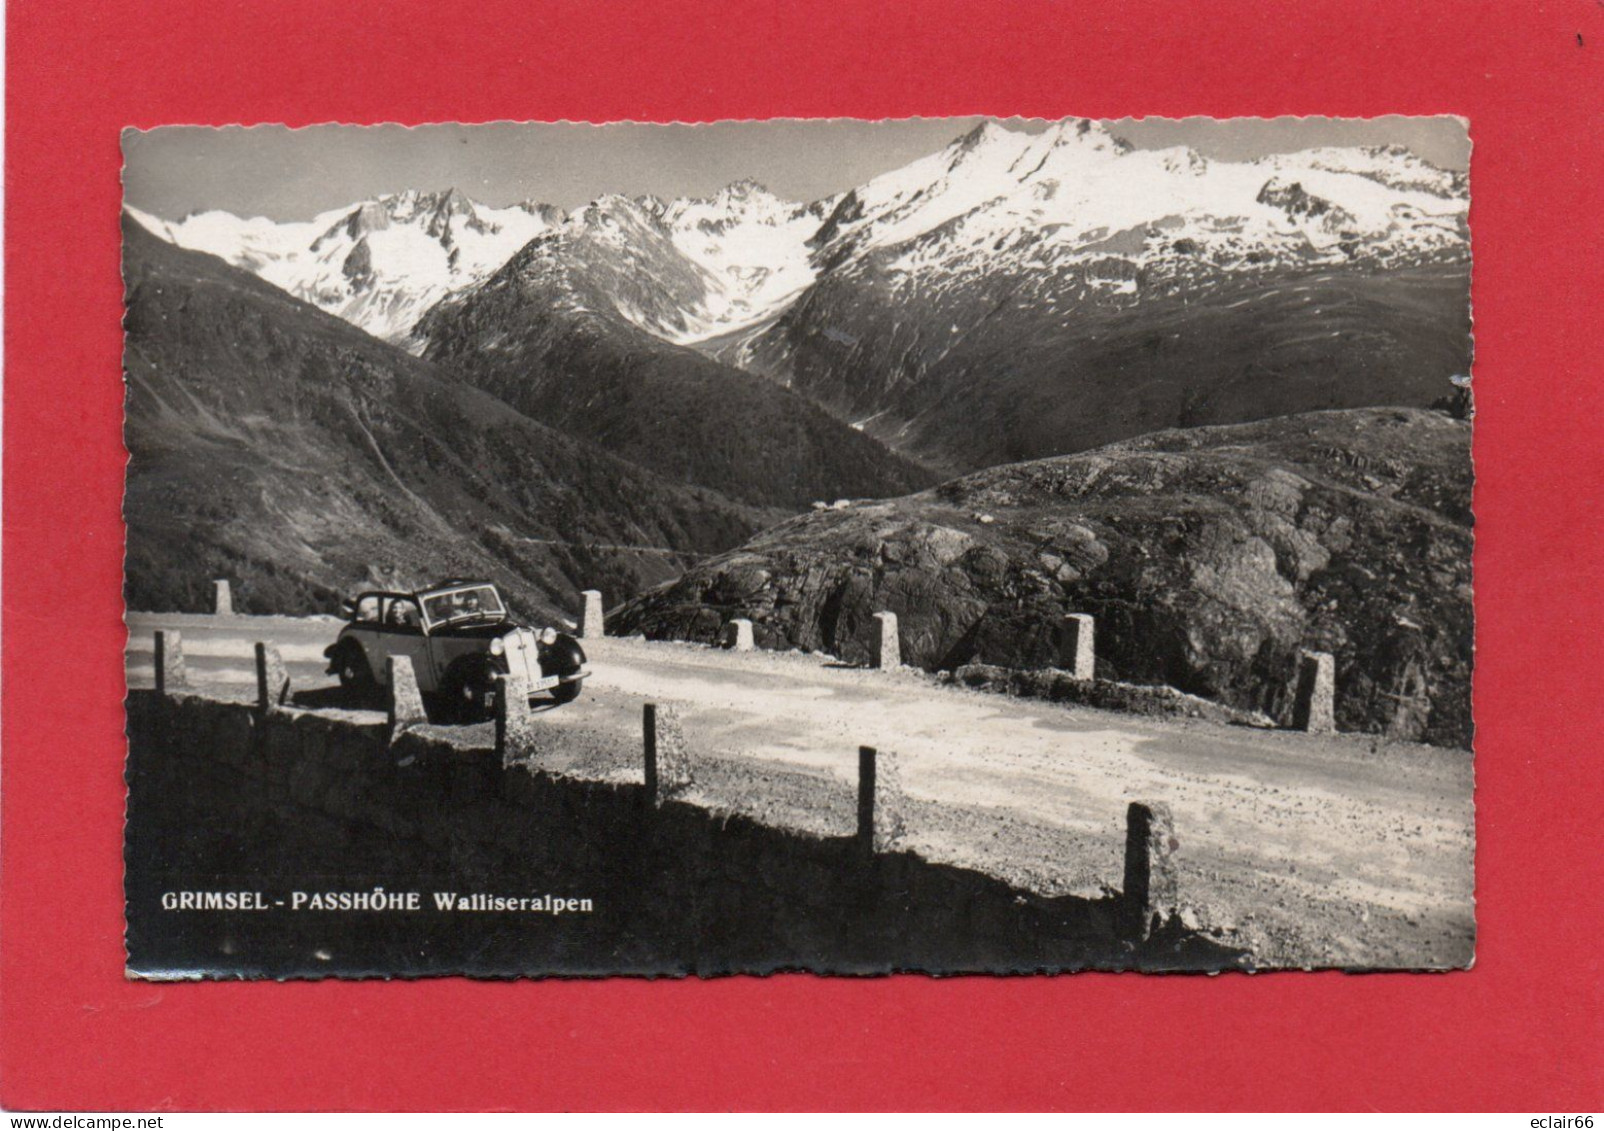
x: 1343, y: 850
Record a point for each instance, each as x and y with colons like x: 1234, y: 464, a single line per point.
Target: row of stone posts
x: 886, y: 647
x: 172, y: 673
x: 1150, y: 893
x: 1314, y: 692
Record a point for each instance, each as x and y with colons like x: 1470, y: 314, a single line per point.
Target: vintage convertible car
x: 459, y: 637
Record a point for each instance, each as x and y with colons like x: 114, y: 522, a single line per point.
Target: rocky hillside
x: 1209, y: 557
x: 281, y: 447
x: 542, y: 334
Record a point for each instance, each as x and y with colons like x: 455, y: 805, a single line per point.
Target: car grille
x: 523, y: 654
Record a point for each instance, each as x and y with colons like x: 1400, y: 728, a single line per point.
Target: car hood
x: 476, y: 630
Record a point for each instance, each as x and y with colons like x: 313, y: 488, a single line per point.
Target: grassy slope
x: 1030, y: 376
x: 281, y: 447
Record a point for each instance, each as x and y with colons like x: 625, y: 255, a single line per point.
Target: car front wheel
x: 352, y: 668
x: 469, y: 692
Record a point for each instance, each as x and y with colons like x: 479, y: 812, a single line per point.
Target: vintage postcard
x: 941, y: 545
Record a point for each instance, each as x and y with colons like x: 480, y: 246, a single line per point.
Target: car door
x: 366, y: 618
x: 403, y: 636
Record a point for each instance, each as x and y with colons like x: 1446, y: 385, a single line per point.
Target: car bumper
x: 548, y: 682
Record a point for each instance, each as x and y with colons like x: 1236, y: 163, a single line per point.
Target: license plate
x: 543, y: 684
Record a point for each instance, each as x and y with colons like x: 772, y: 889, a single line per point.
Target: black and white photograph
x: 935, y: 545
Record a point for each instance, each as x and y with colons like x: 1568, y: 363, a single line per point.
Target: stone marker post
x: 272, y: 678
x: 406, y: 701
x: 880, y: 801
x: 1151, y: 891
x: 515, y: 722
x: 888, y: 648
x: 225, y: 598
x: 1314, y: 708
x: 1079, y: 656
x: 170, y: 672
x: 741, y: 635
x: 593, y: 627
x: 668, y: 762
x: 649, y: 739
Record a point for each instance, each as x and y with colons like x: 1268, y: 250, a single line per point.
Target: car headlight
x: 497, y: 647
x: 548, y: 636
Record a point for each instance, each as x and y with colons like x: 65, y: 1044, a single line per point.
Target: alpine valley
x: 1019, y: 295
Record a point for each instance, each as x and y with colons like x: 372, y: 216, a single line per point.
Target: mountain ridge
x: 972, y: 306
x: 800, y: 239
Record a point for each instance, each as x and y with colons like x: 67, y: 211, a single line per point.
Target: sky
x: 286, y: 174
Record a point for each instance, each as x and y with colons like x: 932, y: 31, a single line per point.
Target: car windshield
x: 469, y: 602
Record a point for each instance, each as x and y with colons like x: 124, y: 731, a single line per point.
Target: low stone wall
x: 227, y: 795
x: 1064, y: 687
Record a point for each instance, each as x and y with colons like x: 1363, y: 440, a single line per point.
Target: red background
x: 1522, y: 1030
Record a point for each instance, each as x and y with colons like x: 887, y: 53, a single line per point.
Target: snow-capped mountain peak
x: 614, y: 212
x: 986, y: 143
x: 1069, y: 199
x: 744, y: 189
x: 379, y: 263
x: 999, y: 202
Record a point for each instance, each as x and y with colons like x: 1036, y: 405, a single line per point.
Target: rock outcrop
x: 1210, y: 557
